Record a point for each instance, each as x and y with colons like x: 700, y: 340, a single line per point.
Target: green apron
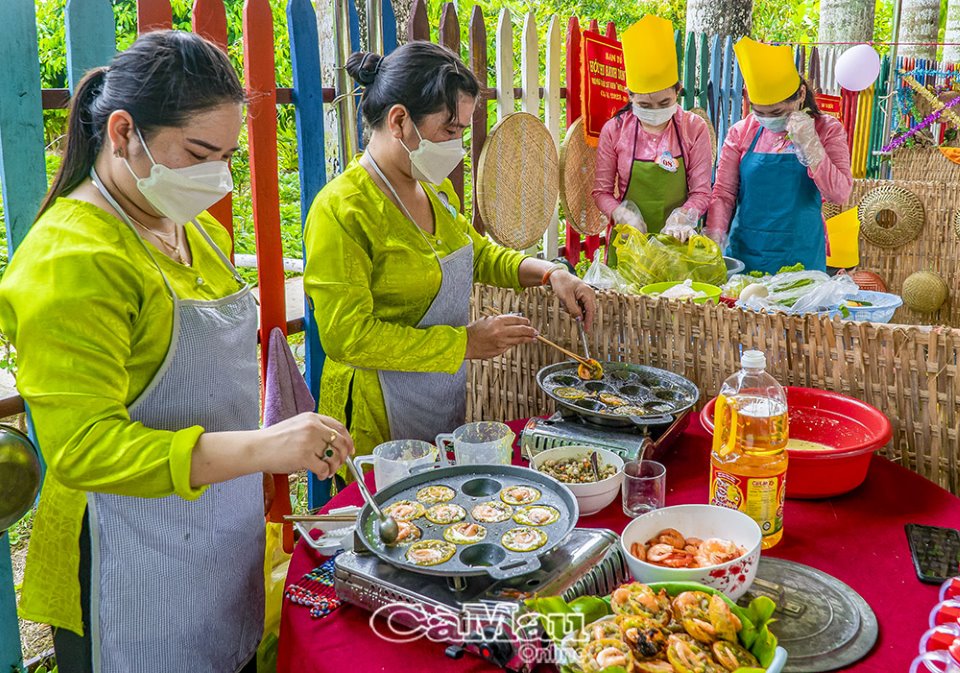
x: 656, y: 191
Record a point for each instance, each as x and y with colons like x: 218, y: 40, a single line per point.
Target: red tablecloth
x: 858, y: 538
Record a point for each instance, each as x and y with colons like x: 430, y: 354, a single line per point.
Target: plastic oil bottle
x: 748, y: 466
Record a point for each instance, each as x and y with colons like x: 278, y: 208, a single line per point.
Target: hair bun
x: 363, y: 67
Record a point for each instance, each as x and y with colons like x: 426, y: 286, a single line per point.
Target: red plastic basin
x: 853, y: 429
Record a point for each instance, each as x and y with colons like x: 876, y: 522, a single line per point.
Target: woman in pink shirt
x: 776, y: 168
x: 654, y: 160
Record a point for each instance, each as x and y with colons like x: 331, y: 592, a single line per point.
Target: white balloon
x: 858, y: 67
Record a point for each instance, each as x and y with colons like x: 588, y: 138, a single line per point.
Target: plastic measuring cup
x: 395, y: 460
x: 480, y: 443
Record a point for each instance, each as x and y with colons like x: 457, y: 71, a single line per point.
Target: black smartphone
x: 935, y: 552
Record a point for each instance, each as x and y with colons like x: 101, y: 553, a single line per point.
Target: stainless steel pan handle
x: 514, y: 568
x: 644, y: 421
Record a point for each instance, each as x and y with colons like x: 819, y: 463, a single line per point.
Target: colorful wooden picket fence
x: 91, y: 41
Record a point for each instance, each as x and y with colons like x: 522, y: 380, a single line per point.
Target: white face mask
x: 183, y: 193
x: 773, y: 124
x: 654, y: 117
x: 432, y: 162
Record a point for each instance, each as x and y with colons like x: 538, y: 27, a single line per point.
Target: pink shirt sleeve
x: 727, y: 184
x: 698, y: 160
x: 606, y: 170
x: 833, y: 176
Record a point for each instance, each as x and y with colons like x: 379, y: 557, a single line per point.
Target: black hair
x: 423, y: 77
x: 163, y: 79
x: 809, y: 100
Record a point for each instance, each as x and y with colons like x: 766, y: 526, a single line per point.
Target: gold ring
x: 333, y: 437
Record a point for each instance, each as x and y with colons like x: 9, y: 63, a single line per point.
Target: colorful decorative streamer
x: 931, y: 118
x: 935, y: 102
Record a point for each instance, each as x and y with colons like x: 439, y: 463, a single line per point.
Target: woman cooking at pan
x: 391, y: 263
x: 654, y: 160
x: 776, y: 168
x: 137, y: 350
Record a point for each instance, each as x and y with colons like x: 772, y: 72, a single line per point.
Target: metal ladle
x: 388, y: 528
x: 19, y: 475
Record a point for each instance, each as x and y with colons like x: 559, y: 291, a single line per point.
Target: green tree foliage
x: 792, y: 21
x: 773, y: 20
x: 53, y: 74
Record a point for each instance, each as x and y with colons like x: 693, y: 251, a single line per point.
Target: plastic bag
x: 736, y: 284
x: 657, y: 258
x: 276, y: 563
x: 804, y: 292
x: 602, y: 277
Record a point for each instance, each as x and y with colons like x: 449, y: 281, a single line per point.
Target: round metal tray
x: 821, y: 622
x: 667, y: 394
x: 473, y: 485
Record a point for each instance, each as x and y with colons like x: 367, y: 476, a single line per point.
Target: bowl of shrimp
x: 570, y: 465
x: 715, y: 546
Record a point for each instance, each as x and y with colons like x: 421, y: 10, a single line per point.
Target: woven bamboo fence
x: 937, y: 248
x: 923, y: 163
x: 910, y: 373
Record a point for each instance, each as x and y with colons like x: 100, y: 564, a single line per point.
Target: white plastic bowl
x: 703, y: 521
x: 592, y: 497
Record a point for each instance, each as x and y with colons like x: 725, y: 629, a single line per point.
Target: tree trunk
x: 846, y: 20
x: 952, y: 54
x: 401, y: 9
x: 919, y: 22
x: 719, y: 17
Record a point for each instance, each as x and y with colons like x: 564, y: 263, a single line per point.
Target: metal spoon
x: 388, y: 528
x: 594, y: 463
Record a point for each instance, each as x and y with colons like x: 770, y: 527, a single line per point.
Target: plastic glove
x: 803, y: 134
x: 717, y: 236
x: 628, y: 213
x: 682, y: 223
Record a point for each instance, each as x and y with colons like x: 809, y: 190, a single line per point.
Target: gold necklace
x: 176, y: 247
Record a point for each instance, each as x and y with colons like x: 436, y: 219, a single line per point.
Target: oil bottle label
x: 760, y: 498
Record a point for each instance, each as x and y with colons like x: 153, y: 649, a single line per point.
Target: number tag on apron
x: 667, y: 162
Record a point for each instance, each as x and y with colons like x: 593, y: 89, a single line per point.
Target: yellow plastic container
x: 843, y: 232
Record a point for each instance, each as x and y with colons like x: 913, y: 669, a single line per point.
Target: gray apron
x: 177, y: 585
x: 421, y: 405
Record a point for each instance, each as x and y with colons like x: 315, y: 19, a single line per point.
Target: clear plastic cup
x: 950, y: 589
x: 644, y: 487
x: 938, y: 661
x: 945, y: 612
x: 939, y: 637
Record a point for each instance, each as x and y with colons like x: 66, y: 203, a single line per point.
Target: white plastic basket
x: 882, y: 306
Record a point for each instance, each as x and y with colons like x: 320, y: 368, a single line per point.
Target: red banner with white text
x: 604, y: 82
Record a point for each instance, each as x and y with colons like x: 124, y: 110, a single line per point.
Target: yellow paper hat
x: 769, y: 72
x: 650, y: 55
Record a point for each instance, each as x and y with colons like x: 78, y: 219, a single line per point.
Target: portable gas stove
x: 565, y: 428
x: 478, y: 615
